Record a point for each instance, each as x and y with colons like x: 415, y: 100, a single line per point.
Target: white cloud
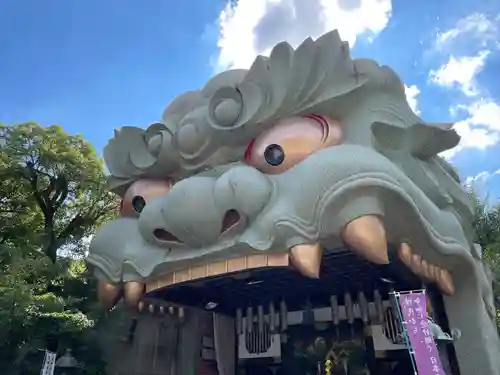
x: 483, y: 185
x: 252, y: 27
x: 481, y: 177
x: 486, y: 113
x: 476, y: 25
x: 471, y: 41
x: 480, y: 129
x: 461, y: 72
x: 412, y: 92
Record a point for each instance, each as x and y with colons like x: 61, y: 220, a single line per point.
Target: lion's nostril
x: 164, y: 235
x: 231, y: 218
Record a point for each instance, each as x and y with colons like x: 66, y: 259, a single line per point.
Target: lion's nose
x: 199, y: 209
x: 244, y: 189
x: 230, y: 219
x: 164, y: 235
x: 188, y: 214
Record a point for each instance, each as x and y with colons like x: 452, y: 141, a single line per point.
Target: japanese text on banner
x: 414, y: 311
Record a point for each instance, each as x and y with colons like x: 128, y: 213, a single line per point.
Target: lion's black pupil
x: 138, y: 203
x: 274, y: 155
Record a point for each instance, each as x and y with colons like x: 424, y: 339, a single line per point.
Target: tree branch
x: 44, y: 202
x: 62, y: 190
x: 72, y: 226
x: 32, y: 176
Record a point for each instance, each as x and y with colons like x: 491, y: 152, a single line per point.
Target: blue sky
x: 93, y: 65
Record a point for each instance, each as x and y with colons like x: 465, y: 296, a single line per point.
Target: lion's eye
x: 274, y: 155
x: 139, y: 193
x: 138, y: 203
x: 290, y: 141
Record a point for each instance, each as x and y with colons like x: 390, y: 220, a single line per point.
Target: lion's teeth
x: 434, y: 272
x: 404, y: 253
x: 445, y: 282
x: 427, y: 271
x: 366, y: 236
x: 307, y: 259
x: 108, y: 294
x: 133, y: 291
x: 416, y: 264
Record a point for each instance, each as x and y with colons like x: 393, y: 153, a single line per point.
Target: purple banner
x: 414, y: 310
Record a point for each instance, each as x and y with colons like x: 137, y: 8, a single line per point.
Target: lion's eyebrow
x: 248, y: 150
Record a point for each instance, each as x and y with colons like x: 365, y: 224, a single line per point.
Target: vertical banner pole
x: 405, y: 333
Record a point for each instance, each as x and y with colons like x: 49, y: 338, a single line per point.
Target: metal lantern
x: 67, y: 365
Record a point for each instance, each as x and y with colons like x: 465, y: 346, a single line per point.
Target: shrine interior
x: 342, y: 271
x: 348, y: 316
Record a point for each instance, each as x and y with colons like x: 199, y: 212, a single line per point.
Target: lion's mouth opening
x: 265, y: 279
x: 305, y: 273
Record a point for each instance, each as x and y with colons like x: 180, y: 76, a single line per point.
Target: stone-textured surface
x: 159, y: 345
x: 387, y: 165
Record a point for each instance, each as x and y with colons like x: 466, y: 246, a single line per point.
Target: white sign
x: 49, y: 363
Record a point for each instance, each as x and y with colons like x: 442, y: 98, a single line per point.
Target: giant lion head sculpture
x: 264, y: 167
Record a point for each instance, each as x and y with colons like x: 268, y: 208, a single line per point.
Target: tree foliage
x: 487, y: 231
x: 52, y: 197
x: 51, y: 182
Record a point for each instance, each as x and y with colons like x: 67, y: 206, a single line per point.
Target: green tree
x: 52, y: 197
x: 487, y: 231
x: 53, y: 188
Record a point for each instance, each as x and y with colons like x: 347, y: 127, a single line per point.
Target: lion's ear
x: 422, y: 140
x: 428, y: 140
x: 388, y: 136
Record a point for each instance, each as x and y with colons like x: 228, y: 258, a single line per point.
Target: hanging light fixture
x: 67, y: 365
x: 438, y: 333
